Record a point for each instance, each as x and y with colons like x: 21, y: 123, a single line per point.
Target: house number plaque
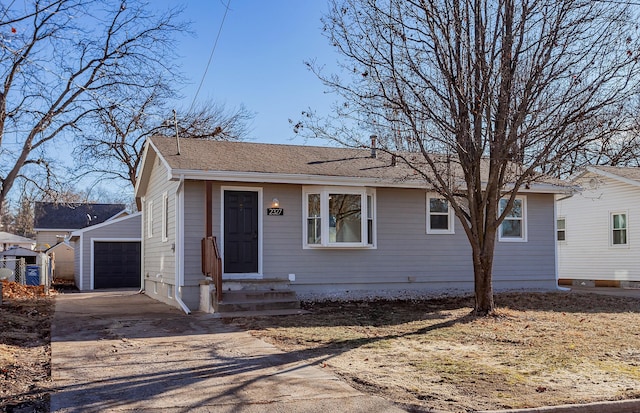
x: 275, y: 211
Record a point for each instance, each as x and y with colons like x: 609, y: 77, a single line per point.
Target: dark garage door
x: 116, y: 264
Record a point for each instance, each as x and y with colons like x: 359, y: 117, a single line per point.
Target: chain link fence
x: 13, y: 269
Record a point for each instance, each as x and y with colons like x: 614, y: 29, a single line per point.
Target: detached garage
x: 108, y: 254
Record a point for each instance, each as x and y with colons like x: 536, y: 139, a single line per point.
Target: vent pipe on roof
x: 374, y: 138
x: 175, y: 122
x: 394, y: 160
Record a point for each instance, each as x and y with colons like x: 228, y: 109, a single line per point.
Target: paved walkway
x: 122, y: 351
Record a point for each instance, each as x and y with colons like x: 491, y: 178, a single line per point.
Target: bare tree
x: 491, y: 93
x: 63, y: 60
x: 114, y: 149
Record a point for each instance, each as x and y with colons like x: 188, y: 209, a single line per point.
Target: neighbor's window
x: 619, y: 228
x: 339, y: 217
x: 514, y: 226
x: 149, y: 219
x: 165, y: 217
x: 561, y: 229
x: 439, y: 216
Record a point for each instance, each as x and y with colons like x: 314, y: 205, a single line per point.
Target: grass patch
x: 536, y: 350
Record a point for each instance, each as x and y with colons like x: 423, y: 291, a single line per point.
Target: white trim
x: 259, y: 274
x: 304, y: 179
x: 92, y: 254
x: 81, y: 263
x: 149, y: 216
x: 450, y: 216
x: 524, y: 219
x: 113, y: 217
x: 626, y: 245
x: 179, y: 246
x: 609, y: 175
x: 104, y: 224
x: 324, y: 192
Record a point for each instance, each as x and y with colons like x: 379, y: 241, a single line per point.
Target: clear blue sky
x: 258, y: 61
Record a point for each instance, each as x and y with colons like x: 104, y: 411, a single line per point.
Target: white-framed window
x: 338, y: 217
x: 165, y: 217
x: 619, y: 227
x: 561, y: 229
x: 514, y: 226
x: 149, y: 219
x: 440, y: 216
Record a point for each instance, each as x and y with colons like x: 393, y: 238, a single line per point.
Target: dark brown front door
x: 240, y: 232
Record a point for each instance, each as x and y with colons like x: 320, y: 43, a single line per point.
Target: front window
x: 439, y: 216
x: 514, y: 226
x: 339, y: 217
x: 619, y: 229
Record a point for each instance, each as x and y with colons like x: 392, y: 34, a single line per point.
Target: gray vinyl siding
x: 127, y: 229
x: 530, y: 264
x: 405, y: 256
x: 158, y: 256
x: 194, y: 231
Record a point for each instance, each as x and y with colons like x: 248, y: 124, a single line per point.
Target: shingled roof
x: 627, y: 172
x: 295, y: 162
x: 71, y: 216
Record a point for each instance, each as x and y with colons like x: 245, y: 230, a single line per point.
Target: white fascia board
x: 262, y: 177
x: 327, y: 180
x: 149, y: 146
x: 613, y: 176
x: 104, y: 224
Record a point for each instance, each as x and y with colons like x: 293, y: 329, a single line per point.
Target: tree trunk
x: 483, y: 287
x: 483, y: 271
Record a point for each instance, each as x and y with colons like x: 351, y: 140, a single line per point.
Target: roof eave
x: 611, y: 176
x: 304, y: 179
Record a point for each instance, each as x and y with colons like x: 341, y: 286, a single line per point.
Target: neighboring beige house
x: 325, y: 220
x: 8, y: 240
x: 598, y: 228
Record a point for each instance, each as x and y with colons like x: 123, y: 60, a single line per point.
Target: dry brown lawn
x: 538, y: 349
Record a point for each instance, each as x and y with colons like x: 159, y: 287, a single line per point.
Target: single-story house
x: 108, y: 254
x: 8, y: 240
x: 328, y: 220
x: 17, y: 259
x: 599, y: 227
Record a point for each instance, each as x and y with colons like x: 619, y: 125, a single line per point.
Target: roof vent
x: 374, y: 138
x: 394, y: 160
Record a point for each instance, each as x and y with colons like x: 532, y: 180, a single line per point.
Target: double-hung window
x: 514, y: 226
x: 561, y: 229
x: 619, y: 229
x: 339, y: 217
x: 439, y: 215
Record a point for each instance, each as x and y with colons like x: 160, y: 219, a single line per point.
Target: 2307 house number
x: 275, y: 211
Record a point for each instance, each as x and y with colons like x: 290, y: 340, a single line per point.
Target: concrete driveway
x: 120, y: 351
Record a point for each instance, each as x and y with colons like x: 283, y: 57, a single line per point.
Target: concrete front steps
x: 250, y: 297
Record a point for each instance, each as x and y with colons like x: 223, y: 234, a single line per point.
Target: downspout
x: 179, y: 250
x: 143, y: 217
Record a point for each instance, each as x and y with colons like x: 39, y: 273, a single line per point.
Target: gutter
x: 179, y: 249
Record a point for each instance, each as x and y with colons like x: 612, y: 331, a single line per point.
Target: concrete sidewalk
x: 120, y: 351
